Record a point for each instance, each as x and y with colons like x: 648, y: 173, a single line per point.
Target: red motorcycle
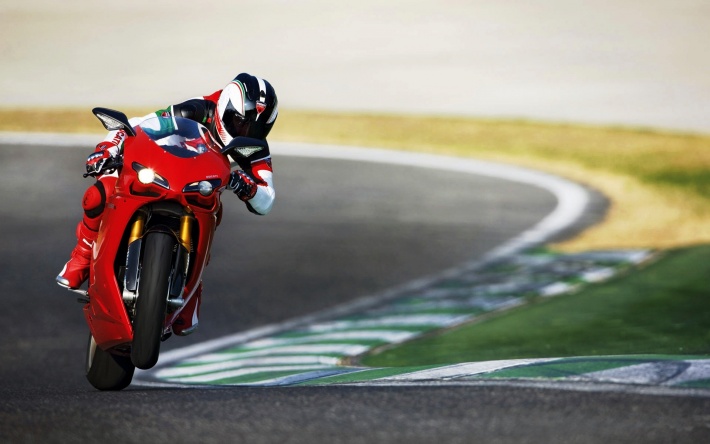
x: 154, y: 240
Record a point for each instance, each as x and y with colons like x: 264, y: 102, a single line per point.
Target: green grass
x: 659, y: 186
x: 662, y: 309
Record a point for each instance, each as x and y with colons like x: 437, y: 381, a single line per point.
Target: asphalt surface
x: 340, y: 230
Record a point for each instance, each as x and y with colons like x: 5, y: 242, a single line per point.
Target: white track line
x: 572, y: 200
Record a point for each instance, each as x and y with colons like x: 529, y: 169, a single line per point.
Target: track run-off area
x: 347, y: 263
x: 318, y: 348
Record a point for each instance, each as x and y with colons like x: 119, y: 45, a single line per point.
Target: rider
x: 247, y: 106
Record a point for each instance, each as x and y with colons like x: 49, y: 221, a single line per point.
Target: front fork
x: 178, y: 277
x: 135, y: 240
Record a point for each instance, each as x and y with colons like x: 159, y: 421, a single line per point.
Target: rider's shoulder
x: 197, y: 109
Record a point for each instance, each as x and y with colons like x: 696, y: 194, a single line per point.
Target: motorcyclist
x: 247, y: 106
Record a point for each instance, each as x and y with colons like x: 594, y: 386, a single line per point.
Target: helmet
x: 246, y: 107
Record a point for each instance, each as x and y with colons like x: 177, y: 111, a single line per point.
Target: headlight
x: 148, y: 176
x: 204, y: 187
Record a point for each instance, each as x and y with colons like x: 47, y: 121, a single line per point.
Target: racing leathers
x: 253, y: 184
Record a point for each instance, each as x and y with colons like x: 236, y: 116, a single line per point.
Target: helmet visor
x: 235, y: 124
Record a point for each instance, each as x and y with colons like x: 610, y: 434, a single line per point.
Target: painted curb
x: 313, y: 350
x: 318, y: 353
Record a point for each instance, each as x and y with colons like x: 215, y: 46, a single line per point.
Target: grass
x: 662, y: 309
x: 658, y: 182
x: 659, y: 187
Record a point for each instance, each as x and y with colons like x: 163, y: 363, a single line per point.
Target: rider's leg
x: 76, y: 271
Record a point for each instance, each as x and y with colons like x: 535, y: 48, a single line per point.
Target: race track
x: 341, y: 230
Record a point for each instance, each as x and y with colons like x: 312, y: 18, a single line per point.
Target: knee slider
x: 94, y: 200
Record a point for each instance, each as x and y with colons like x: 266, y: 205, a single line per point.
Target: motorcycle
x: 154, y: 239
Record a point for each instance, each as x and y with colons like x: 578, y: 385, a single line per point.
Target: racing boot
x: 186, y: 321
x: 76, y: 271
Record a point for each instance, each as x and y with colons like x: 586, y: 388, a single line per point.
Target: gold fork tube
x: 137, y: 228
x: 186, y: 231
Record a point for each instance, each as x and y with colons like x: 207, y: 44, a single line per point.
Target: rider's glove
x: 96, y: 162
x: 242, y: 185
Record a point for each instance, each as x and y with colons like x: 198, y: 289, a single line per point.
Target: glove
x: 242, y: 185
x: 95, y: 162
x: 98, y: 160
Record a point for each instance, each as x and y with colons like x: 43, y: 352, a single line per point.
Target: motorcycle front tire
x: 151, y: 304
x: 106, y: 371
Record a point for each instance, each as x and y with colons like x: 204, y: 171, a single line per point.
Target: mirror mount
x: 114, y: 120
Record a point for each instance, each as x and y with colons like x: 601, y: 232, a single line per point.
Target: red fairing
x: 106, y: 313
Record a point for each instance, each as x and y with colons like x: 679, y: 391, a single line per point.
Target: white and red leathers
x: 253, y: 185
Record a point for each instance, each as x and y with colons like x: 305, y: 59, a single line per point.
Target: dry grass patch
x: 658, y: 182
x: 655, y: 180
x: 57, y: 120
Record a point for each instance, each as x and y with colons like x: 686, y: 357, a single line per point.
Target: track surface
x: 342, y: 229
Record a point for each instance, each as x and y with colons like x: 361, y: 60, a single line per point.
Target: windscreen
x: 179, y: 136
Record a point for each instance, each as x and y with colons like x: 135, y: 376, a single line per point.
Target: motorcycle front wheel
x: 151, y: 304
x: 106, y: 371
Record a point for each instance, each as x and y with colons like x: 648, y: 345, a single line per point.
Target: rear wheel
x: 151, y: 304
x: 106, y: 371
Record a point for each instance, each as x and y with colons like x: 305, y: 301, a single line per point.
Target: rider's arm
x: 197, y: 109
x: 110, y: 147
x: 255, y: 183
x: 263, y: 200
x: 114, y: 140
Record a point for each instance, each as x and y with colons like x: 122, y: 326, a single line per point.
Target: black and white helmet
x: 246, y: 107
